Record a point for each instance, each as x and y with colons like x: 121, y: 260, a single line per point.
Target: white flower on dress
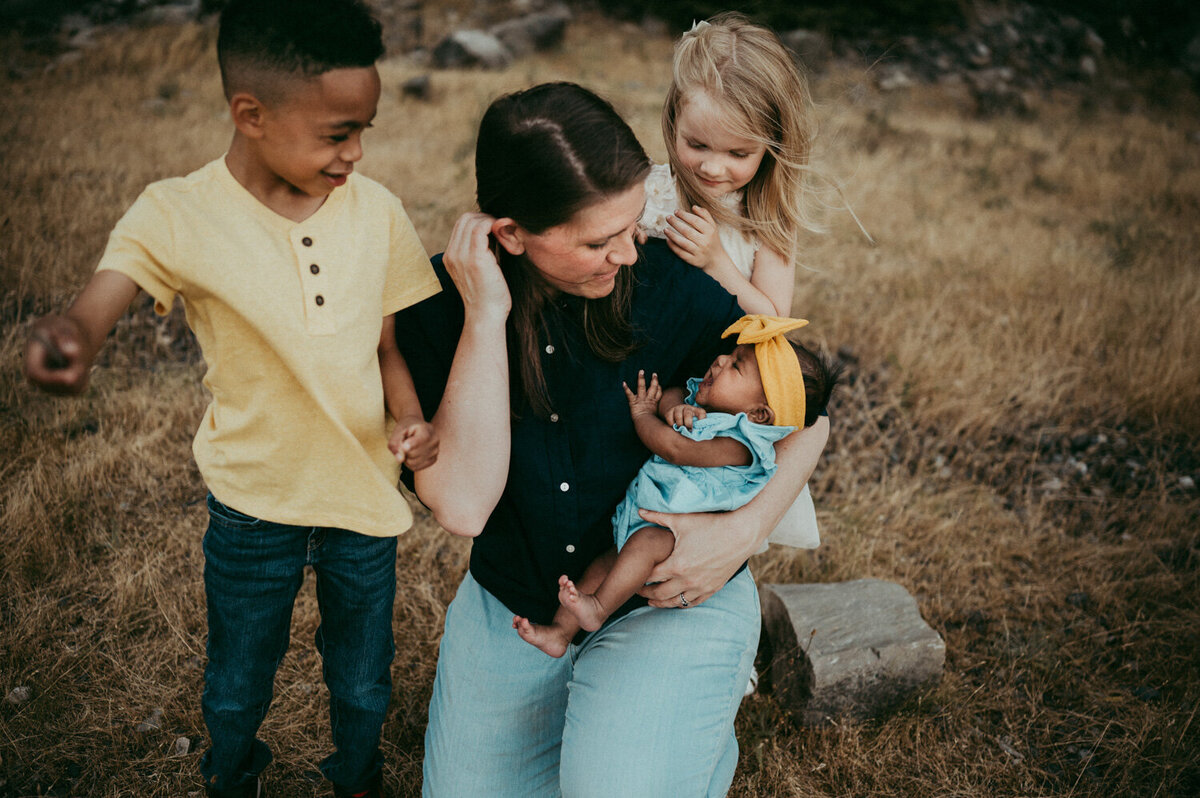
x: 662, y: 201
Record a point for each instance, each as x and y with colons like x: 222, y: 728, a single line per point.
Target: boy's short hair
x: 262, y: 45
x: 821, y: 376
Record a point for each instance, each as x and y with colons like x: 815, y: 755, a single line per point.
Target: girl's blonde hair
x: 745, y: 68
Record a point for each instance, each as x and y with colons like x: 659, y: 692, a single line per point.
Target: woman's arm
x: 472, y: 421
x: 710, y: 547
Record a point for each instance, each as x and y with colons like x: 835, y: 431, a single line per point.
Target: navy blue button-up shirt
x: 568, y: 472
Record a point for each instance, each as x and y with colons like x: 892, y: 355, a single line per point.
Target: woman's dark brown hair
x: 543, y: 155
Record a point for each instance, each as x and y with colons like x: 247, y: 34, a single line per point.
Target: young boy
x: 289, y: 266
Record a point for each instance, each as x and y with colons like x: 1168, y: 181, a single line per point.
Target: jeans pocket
x: 230, y: 518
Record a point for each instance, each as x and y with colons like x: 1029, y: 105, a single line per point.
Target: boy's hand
x: 415, y: 443
x: 645, y: 401
x: 693, y: 237
x: 54, y: 356
x: 61, y: 348
x: 683, y: 414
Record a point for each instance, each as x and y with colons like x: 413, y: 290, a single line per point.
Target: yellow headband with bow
x: 778, y: 366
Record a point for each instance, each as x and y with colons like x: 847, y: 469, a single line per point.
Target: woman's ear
x: 761, y: 414
x: 247, y: 113
x: 510, y: 235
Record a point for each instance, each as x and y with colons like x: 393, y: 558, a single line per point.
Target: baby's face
x: 732, y: 383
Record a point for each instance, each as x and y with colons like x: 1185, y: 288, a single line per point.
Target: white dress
x: 798, y: 527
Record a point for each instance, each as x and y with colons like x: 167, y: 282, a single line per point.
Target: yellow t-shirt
x: 288, y: 316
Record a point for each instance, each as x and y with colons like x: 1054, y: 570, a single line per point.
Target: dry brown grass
x: 1028, y: 314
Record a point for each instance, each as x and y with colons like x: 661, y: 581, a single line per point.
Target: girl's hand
x: 473, y: 265
x: 682, y: 415
x: 415, y: 443
x: 708, y: 551
x: 693, y: 237
x: 645, y: 401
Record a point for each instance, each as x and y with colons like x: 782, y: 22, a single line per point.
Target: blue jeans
x: 643, y: 707
x: 252, y: 572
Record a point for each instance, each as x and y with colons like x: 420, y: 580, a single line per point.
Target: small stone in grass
x: 153, y: 721
x: 19, y: 695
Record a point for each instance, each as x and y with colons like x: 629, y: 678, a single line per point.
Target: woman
x: 645, y: 705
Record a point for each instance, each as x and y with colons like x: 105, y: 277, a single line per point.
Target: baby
x: 713, y: 450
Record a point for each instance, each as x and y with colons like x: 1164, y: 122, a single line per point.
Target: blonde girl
x: 736, y: 192
x: 733, y: 198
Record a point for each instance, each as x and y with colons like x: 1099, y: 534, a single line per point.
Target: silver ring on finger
x: 683, y: 602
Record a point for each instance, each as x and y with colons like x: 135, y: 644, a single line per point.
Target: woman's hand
x: 710, y: 547
x: 473, y: 266
x: 708, y: 551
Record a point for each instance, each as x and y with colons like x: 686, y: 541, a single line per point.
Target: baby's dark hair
x: 261, y: 43
x: 821, y: 376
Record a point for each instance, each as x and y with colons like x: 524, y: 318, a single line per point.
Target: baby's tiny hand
x: 646, y: 399
x: 683, y: 414
x: 415, y: 444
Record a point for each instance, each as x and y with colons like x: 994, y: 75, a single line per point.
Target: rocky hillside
x: 998, y: 52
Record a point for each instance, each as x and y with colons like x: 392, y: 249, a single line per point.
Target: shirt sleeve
x: 410, y: 278
x: 140, y: 247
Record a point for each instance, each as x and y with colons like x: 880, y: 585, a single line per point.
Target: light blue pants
x: 644, y: 707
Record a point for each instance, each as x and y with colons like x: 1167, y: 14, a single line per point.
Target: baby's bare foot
x: 586, y: 608
x: 549, y: 639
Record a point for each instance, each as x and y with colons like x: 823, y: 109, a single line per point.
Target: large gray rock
x: 541, y: 30
x: 847, y: 650
x: 466, y: 48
